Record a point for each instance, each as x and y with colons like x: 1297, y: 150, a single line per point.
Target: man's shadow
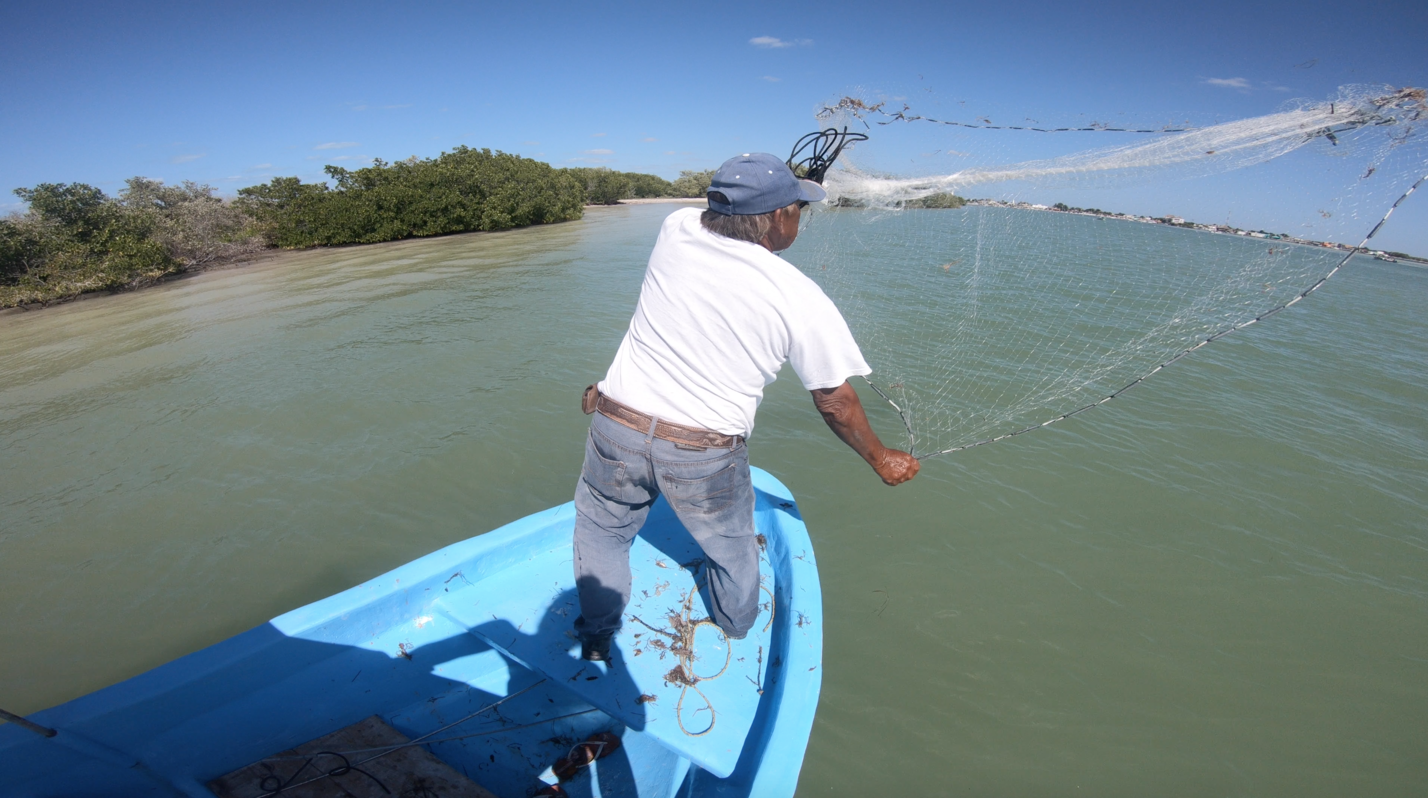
x: 552, y: 651
x: 666, y: 534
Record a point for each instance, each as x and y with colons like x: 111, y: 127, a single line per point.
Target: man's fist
x: 897, y: 467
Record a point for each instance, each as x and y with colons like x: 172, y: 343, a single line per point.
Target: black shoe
x: 595, y: 649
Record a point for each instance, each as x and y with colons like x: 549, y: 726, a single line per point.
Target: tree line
x: 74, y: 239
x: 933, y: 201
x: 606, y: 187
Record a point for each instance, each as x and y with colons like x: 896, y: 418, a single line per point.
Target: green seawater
x: 1216, y: 585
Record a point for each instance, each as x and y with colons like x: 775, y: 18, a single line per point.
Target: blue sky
x: 233, y: 94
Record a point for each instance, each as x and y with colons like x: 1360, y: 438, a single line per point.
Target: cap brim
x: 809, y: 191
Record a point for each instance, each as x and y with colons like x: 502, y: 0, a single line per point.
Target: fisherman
x: 719, y: 313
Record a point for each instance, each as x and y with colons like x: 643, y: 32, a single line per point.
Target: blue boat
x: 462, y: 662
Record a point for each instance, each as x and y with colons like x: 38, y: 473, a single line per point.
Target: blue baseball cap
x: 755, y: 183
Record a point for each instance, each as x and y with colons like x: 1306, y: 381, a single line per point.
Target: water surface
x: 1215, y: 585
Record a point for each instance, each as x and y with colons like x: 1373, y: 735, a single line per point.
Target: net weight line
x: 912, y: 436
x: 857, y: 108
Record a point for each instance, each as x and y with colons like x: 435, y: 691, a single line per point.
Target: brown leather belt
x: 678, y: 434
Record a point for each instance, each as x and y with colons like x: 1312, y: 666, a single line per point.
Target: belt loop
x: 649, y: 436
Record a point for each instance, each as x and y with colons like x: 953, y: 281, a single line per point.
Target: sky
x: 234, y: 94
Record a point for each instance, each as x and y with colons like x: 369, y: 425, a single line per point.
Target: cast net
x: 1046, y: 274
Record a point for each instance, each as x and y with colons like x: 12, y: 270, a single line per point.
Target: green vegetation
x: 1061, y: 206
x: 1165, y: 220
x: 457, y: 192
x: 74, y: 239
x: 942, y: 200
x: 937, y: 201
x: 1406, y: 256
x: 692, y: 184
x: 606, y: 187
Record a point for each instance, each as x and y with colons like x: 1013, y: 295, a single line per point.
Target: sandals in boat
x: 596, y: 746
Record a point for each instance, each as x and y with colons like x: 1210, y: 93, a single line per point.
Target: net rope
x: 988, y: 309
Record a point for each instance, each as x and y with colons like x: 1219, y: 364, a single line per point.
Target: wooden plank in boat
x: 403, y: 771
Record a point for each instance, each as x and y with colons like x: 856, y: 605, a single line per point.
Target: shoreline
x: 1218, y: 229
x: 277, y: 254
x: 651, y: 201
x: 262, y: 257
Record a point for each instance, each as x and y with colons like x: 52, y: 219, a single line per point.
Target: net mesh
x: 995, y: 299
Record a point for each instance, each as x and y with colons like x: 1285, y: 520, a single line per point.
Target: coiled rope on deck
x: 682, y: 633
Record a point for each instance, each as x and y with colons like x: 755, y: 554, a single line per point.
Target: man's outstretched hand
x: 843, y: 411
x: 896, y: 467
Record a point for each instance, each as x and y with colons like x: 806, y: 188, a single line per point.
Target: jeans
x: 709, y: 490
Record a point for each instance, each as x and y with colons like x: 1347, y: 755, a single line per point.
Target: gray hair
x: 740, y: 228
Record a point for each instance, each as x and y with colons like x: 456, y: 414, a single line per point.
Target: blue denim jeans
x: 709, y: 490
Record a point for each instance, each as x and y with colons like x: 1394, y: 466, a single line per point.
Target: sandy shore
x: 655, y: 201
x: 262, y: 257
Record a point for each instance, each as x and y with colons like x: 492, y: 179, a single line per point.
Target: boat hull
x: 402, y: 646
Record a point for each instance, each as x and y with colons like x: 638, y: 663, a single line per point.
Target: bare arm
x: 843, y: 412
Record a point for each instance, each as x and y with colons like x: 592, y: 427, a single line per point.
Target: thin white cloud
x: 186, y: 158
x: 530, y: 143
x: 262, y: 166
x: 598, y: 135
x: 669, y: 152
x: 587, y: 160
x: 1229, y: 83
x: 774, y: 43
x: 598, y: 152
x: 337, y: 145
x: 649, y: 138
x: 770, y: 78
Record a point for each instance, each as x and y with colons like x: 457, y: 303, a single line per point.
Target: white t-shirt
x: 716, y: 320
